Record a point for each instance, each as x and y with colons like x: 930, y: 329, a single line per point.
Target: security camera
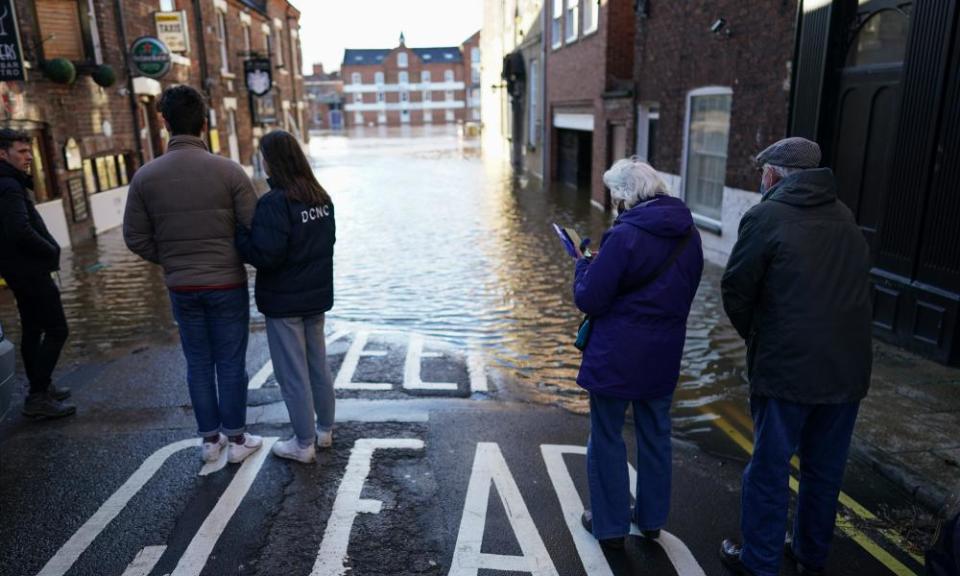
x: 718, y: 25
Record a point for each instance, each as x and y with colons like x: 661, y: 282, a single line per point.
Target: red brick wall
x: 676, y: 52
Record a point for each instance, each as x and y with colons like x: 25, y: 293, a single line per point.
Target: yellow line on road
x: 845, y: 526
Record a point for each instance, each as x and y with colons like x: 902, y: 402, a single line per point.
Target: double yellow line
x: 722, y: 423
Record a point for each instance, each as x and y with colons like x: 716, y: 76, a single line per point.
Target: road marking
x: 489, y: 466
x: 332, y: 557
x: 594, y: 562
x: 261, y: 376
x: 411, y: 371
x: 477, y: 369
x: 145, y: 560
x: 351, y: 360
x: 211, y: 467
x: 68, y: 554
x: 849, y: 530
x: 199, y: 549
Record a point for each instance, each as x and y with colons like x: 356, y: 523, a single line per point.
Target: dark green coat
x: 796, y: 288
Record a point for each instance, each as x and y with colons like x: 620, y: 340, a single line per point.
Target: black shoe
x: 730, y: 557
x: 58, y: 393
x: 613, y: 543
x: 650, y: 534
x: 43, y: 405
x: 802, y: 568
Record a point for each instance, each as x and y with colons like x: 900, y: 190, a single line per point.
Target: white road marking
x: 211, y: 467
x: 411, y: 371
x: 376, y: 353
x: 489, y: 466
x: 145, y: 560
x: 594, y: 562
x: 68, y: 554
x: 431, y: 355
x: 261, y: 376
x: 199, y: 549
x: 476, y: 367
x: 332, y: 557
x: 351, y: 360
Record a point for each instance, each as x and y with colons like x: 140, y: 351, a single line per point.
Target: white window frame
x: 425, y: 77
x: 168, y: 5
x: 358, y: 118
x: 356, y: 78
x: 222, y: 40
x: 402, y: 60
x: 646, y: 112
x: 572, y: 21
x: 556, y: 30
x: 449, y: 96
x: 475, y: 55
x: 378, y: 79
x: 427, y: 96
x: 294, y: 60
x: 247, y: 44
x: 381, y: 96
x: 403, y: 77
x: 449, y: 76
x: 449, y: 116
x: 533, y: 136
x: 358, y: 97
x: 591, y: 7
x: 701, y: 220
x: 428, y: 117
x: 278, y: 33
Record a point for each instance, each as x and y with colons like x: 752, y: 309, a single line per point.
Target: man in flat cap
x: 796, y: 289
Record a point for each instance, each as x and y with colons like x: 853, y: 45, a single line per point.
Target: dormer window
x: 402, y: 60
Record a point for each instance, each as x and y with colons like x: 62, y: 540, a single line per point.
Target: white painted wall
x: 107, y: 208
x: 736, y: 202
x: 56, y: 220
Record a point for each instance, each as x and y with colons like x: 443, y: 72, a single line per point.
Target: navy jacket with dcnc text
x: 291, y: 246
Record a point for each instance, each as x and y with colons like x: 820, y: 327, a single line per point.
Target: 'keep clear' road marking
x: 145, y: 560
x: 264, y: 373
x: 344, y: 380
x: 411, y: 371
x: 332, y: 557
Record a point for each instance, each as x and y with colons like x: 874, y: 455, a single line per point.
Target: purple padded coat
x: 638, y: 335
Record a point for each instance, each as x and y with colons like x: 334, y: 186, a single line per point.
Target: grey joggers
x: 299, y: 353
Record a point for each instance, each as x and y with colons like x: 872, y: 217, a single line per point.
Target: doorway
x: 575, y: 160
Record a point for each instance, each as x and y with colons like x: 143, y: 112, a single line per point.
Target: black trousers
x: 43, y: 323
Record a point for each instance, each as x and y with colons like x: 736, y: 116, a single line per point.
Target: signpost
x: 172, y: 30
x: 150, y: 57
x: 11, y: 59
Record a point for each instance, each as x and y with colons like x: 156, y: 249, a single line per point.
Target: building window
x: 475, y: 75
x: 448, y: 116
x: 648, y: 122
x: 358, y: 117
x: 279, y: 42
x: 357, y: 97
x: 381, y: 97
x: 222, y: 39
x: 382, y: 118
x: 425, y: 77
x: 378, y: 78
x: 404, y: 77
x: 534, y: 83
x: 708, y: 131
x: 556, y: 29
x: 294, y: 61
x: 246, y: 39
x: 448, y: 76
x: 404, y: 96
x: 427, y: 96
x: 475, y: 55
x: 68, y: 29
x: 448, y: 95
x: 405, y: 116
x: 105, y: 173
x: 591, y: 16
x: 573, y: 20
x: 428, y: 117
x: 402, y: 60
x: 355, y: 78
x: 167, y: 5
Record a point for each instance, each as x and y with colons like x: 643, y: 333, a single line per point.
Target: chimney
x: 318, y: 69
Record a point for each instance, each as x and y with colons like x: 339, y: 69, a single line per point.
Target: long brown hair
x: 289, y: 169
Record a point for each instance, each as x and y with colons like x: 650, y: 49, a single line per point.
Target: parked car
x: 8, y: 365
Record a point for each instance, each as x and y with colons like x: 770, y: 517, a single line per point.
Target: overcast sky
x: 329, y: 26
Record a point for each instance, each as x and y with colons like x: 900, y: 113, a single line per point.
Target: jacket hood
x: 664, y: 216
x: 7, y: 170
x: 807, y: 188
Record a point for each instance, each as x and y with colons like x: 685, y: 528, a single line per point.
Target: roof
x: 258, y: 5
x: 370, y: 57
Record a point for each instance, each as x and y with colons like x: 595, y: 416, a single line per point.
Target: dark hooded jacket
x: 796, y: 288
x: 638, y: 333
x: 26, y: 246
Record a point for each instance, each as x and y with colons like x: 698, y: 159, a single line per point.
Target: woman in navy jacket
x: 638, y: 290
x: 290, y: 242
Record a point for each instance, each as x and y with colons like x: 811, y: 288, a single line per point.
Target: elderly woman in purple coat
x: 637, y: 291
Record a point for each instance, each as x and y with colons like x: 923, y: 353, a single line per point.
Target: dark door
x: 868, y: 99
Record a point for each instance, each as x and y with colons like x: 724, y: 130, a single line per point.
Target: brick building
x: 324, y: 99
x: 410, y: 86
x: 91, y: 133
x: 589, y: 93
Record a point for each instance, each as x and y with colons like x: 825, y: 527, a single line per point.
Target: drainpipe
x: 134, y: 111
x: 202, y: 55
x: 545, y: 114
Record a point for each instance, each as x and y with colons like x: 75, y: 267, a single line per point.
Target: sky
x: 329, y: 26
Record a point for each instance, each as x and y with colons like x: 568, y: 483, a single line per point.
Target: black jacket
x: 291, y: 246
x: 26, y: 246
x: 796, y: 289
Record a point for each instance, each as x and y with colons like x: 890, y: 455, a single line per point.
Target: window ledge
x: 228, y: 75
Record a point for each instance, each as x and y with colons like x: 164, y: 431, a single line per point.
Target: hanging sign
x: 11, y: 60
x: 172, y: 30
x: 150, y: 57
x: 259, y: 75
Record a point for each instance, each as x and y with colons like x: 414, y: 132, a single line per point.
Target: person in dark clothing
x: 637, y: 291
x: 796, y: 289
x: 290, y: 242
x: 28, y: 256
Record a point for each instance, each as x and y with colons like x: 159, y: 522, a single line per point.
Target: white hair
x: 633, y: 181
x: 783, y: 171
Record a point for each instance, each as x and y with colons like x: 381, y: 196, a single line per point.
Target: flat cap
x: 792, y: 152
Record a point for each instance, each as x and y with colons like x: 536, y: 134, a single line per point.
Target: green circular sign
x: 150, y: 57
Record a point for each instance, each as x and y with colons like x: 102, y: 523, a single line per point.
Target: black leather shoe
x: 730, y: 557
x: 58, y: 393
x: 613, y: 543
x: 802, y: 568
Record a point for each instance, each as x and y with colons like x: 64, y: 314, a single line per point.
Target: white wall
x: 56, y: 221
x: 107, y: 208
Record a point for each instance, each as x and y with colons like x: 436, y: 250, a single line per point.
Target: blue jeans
x: 820, y: 434
x: 214, y: 327
x: 607, y: 472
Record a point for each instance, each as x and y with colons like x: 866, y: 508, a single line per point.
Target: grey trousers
x: 299, y: 353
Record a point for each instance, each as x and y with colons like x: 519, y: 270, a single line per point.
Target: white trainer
x: 210, y: 451
x: 237, y: 453
x: 324, y: 438
x: 291, y: 450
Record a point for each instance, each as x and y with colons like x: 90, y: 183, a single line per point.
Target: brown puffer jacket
x: 182, y: 211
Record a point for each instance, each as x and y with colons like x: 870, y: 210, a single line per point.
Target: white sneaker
x: 237, y: 453
x: 324, y: 438
x: 291, y: 450
x: 210, y: 451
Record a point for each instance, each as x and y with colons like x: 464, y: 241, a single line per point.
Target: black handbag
x: 586, y: 325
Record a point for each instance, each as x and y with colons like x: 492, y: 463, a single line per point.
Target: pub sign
x: 259, y: 75
x: 172, y: 30
x: 150, y: 57
x: 11, y: 59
